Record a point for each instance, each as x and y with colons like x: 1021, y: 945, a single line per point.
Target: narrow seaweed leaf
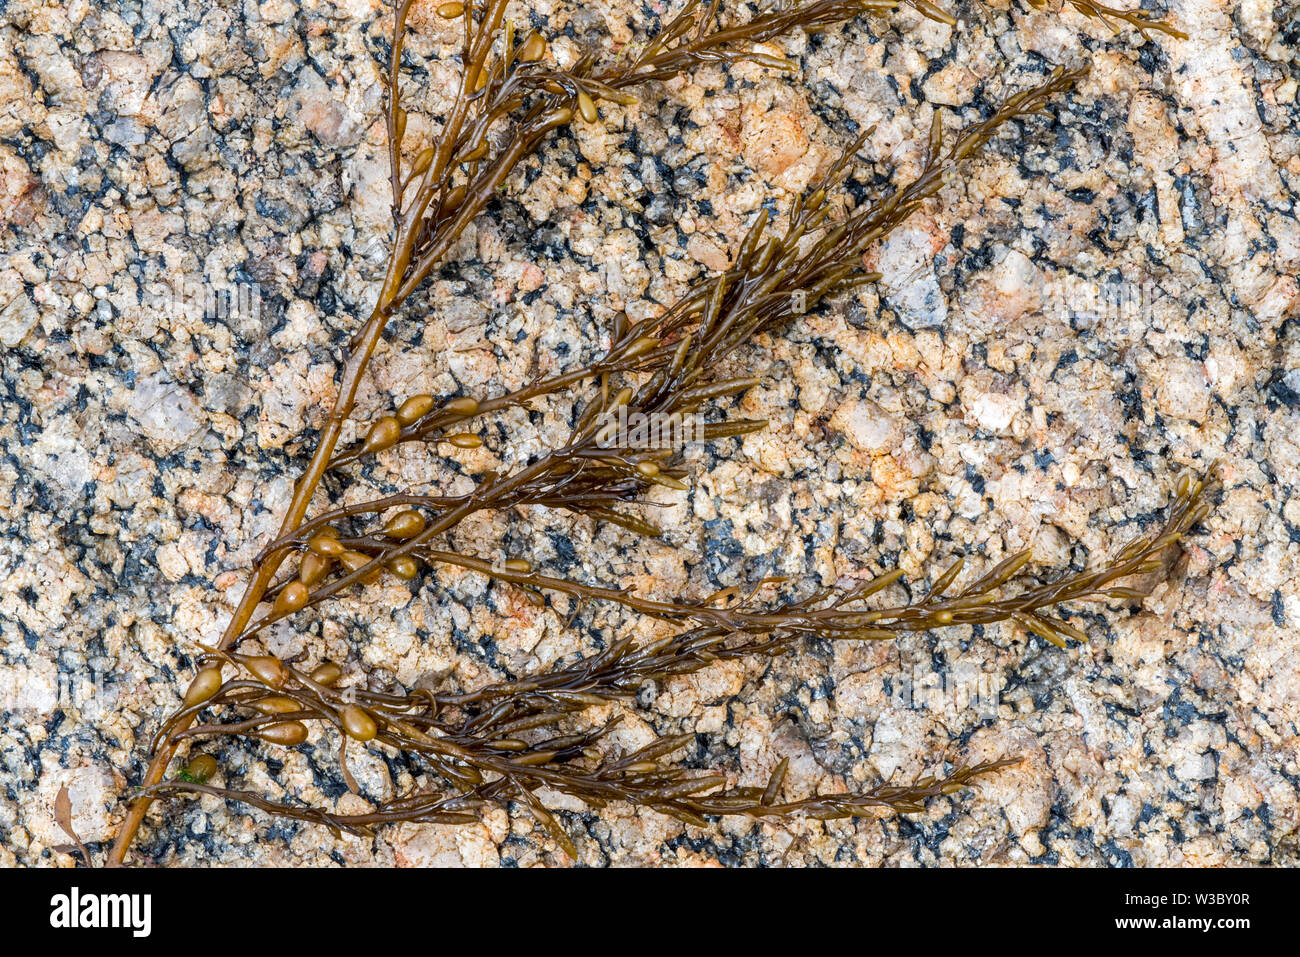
x: 63, y: 818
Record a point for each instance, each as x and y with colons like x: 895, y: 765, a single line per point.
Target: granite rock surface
x: 194, y: 217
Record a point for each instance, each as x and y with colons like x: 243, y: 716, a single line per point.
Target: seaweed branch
x: 814, y: 258
x: 448, y: 185
x: 688, y: 798
x: 503, y: 742
x: 1141, y: 20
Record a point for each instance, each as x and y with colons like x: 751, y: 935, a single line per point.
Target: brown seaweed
x: 502, y: 742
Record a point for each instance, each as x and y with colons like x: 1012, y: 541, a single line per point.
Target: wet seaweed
x: 503, y: 742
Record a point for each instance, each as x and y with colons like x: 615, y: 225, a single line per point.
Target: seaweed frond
x: 690, y: 798
x: 1141, y: 20
x: 774, y: 277
x: 504, y: 741
x: 507, y: 101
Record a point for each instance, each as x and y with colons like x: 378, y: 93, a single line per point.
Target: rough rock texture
x: 1097, y: 303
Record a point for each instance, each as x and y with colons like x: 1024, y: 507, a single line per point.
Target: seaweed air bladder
x: 508, y: 743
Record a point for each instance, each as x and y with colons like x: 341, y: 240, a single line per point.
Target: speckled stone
x: 1102, y: 300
